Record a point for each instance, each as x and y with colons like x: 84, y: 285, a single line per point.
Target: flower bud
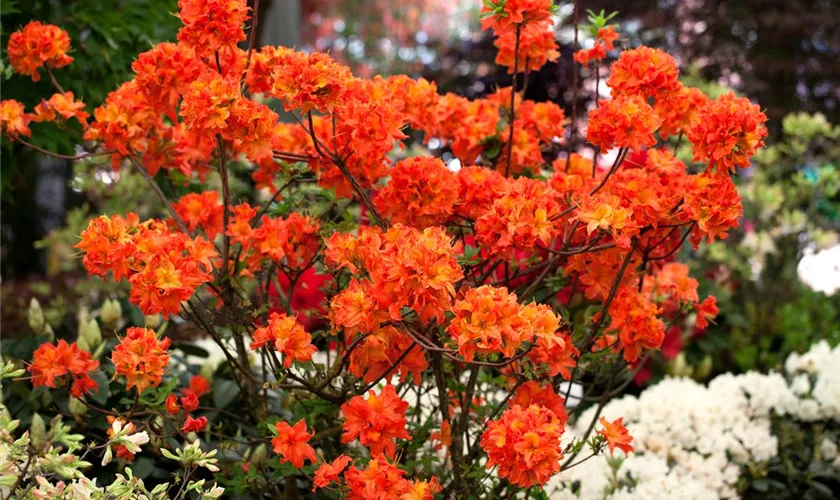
x: 704, y: 369
x: 152, y: 321
x: 259, y: 454
x: 77, y: 408
x: 90, y: 337
x: 35, y: 316
x: 679, y: 367
x: 48, y: 331
x: 38, y: 431
x: 111, y: 313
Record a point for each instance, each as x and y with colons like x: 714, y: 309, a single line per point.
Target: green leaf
x: 224, y: 392
x: 103, y: 391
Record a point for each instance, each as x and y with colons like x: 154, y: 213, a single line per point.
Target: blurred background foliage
x: 784, y: 55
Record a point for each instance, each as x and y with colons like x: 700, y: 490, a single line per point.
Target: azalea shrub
x: 387, y: 326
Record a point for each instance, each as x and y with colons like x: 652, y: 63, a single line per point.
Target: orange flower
x: 353, y: 311
x: 288, y: 338
x: 310, y: 81
x: 608, y: 35
x: 519, y: 218
x: 644, y: 72
x: 532, y: 392
x: 199, y: 385
x: 422, y: 490
x: 14, y: 121
x: 616, y: 435
x: 421, y: 192
x: 291, y: 443
x: 376, y: 421
x: 328, y: 473
x: 189, y: 400
x: 172, y: 405
x: 53, y: 361
x: 706, y: 312
x: 597, y: 52
x: 201, y: 210
x: 442, y: 437
x: 604, y: 212
x: 239, y: 228
x: 380, y: 480
x: 623, y: 122
x: 194, y: 424
x: 506, y: 15
x: 37, y: 45
x: 211, y: 25
x: 537, y: 46
x: 728, y: 132
x: 141, y: 358
x: 525, y: 444
x: 63, y: 105
x: 558, y: 356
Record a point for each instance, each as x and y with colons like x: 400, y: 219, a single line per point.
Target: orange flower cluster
x: 727, y: 133
x: 706, y: 312
x: 537, y: 46
x: 604, y: 42
x: 679, y: 109
x: 525, y: 444
x: 508, y: 15
x: 623, y: 122
x: 309, y: 81
x: 421, y: 193
x: 61, y: 105
x: 532, y: 392
x: 376, y: 421
x: 490, y: 320
x: 519, y: 218
x: 201, y: 210
x: 478, y: 188
x: 163, y: 267
x: 293, y: 241
x: 382, y: 479
x: 712, y: 201
x: 164, y: 73
x: 38, y: 45
x: 14, y: 120
x: 635, y: 319
x: 127, y: 124
x: 377, y: 353
x: 141, y: 358
x: 644, y: 72
x: 670, y: 286
x: 616, y: 435
x: 211, y: 25
x: 287, y: 336
x: 50, y: 362
x: 291, y: 443
x: 405, y: 267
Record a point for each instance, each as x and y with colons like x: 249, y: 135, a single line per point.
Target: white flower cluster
x: 692, y: 441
